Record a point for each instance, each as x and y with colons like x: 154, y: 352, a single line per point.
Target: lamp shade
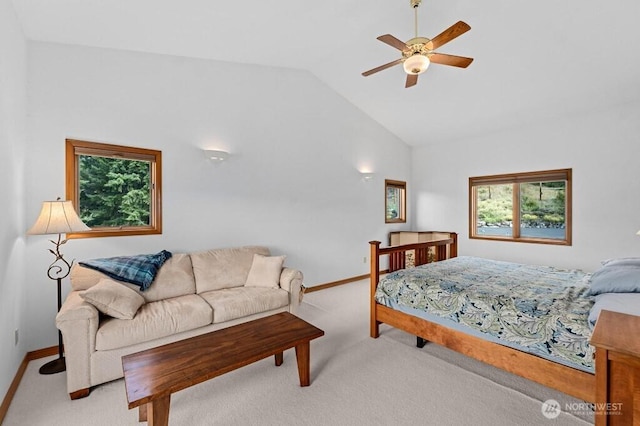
x: 57, y: 217
x: 416, y: 64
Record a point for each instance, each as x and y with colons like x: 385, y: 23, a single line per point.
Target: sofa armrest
x: 291, y: 280
x: 75, y: 308
x: 78, y: 321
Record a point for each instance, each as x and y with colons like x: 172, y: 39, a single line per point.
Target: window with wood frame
x: 395, y: 201
x: 116, y: 190
x: 532, y: 207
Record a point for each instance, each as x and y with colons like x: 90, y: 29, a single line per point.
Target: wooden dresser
x: 616, y: 338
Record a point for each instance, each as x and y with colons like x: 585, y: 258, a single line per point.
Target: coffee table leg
x: 302, y: 356
x: 158, y: 411
x: 142, y: 413
x: 279, y: 358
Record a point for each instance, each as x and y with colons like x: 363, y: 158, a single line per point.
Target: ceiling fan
x: 419, y: 52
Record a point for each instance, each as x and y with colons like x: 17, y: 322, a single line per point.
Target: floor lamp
x: 57, y: 217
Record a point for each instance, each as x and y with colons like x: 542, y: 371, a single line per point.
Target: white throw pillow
x: 265, y: 271
x: 114, y: 299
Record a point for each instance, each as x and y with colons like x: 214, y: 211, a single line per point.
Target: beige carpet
x: 356, y: 380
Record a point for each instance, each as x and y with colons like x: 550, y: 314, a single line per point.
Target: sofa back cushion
x: 223, y: 268
x: 175, y: 278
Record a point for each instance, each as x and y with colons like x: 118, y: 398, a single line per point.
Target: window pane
x: 542, y: 210
x: 114, y: 192
x: 393, y: 202
x: 494, y: 210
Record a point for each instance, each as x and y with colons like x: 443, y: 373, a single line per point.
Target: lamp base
x: 52, y: 367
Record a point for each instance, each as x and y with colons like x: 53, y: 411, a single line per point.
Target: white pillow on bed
x: 626, y: 303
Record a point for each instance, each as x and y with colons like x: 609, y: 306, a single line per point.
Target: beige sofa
x: 192, y: 294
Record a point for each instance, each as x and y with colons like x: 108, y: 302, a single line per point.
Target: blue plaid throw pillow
x: 140, y: 270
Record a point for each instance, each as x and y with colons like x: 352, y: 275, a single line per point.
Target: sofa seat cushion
x: 153, y: 321
x: 238, y: 302
x: 223, y: 268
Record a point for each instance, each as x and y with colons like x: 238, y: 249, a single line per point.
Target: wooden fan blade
x: 392, y: 41
x: 412, y: 79
x: 383, y: 67
x: 454, y: 61
x: 449, y: 34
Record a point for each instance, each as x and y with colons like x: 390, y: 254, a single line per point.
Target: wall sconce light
x: 367, y: 176
x: 216, y: 155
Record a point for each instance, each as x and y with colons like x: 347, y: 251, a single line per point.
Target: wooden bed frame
x: 571, y: 381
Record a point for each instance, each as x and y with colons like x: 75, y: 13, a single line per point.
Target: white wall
x: 603, y: 150
x: 12, y: 140
x: 291, y: 183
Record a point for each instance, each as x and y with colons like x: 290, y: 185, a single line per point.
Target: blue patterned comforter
x: 541, y: 309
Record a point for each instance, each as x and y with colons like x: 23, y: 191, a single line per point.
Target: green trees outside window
x: 114, y: 191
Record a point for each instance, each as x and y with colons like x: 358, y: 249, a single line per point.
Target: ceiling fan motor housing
x: 421, y: 45
x: 416, y: 55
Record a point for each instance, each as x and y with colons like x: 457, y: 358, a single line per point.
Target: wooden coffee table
x: 151, y: 376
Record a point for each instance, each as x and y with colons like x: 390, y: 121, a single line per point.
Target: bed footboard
x: 443, y: 246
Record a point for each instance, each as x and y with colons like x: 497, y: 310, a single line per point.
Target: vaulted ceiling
x: 534, y: 61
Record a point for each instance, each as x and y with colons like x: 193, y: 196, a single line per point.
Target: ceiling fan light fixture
x: 419, y: 52
x: 416, y: 64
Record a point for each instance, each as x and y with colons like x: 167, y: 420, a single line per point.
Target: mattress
x: 540, y: 310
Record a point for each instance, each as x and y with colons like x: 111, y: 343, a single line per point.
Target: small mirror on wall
x: 395, y: 201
